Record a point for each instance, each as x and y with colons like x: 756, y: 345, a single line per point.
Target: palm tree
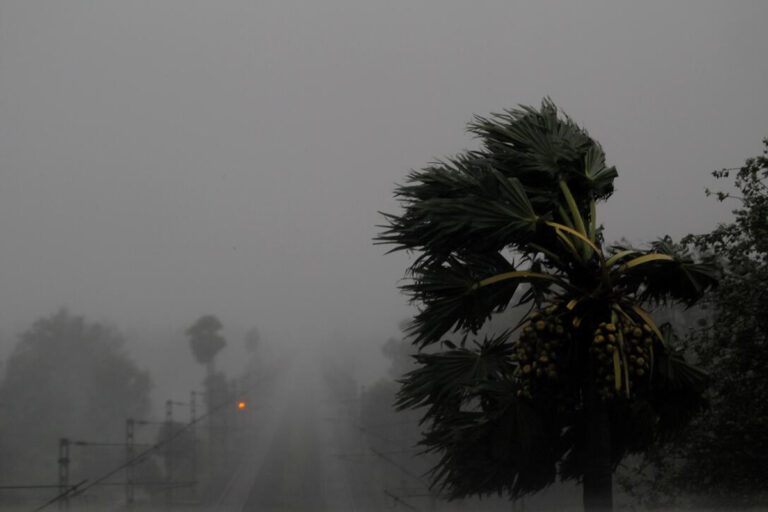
x: 587, y: 376
x: 205, y: 340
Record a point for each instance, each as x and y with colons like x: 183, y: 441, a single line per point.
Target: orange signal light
x: 241, y: 405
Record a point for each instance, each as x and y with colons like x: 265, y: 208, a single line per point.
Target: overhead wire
x: 72, y: 490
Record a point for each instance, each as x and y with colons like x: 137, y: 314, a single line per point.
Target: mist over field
x: 165, y: 163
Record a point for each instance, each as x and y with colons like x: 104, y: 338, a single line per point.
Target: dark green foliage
x: 444, y: 288
x: 540, y: 148
x: 681, y: 277
x: 483, y: 433
x: 514, y: 222
x: 721, y: 459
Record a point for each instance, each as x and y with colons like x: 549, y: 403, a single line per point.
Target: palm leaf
x: 450, y: 376
x: 542, y: 147
x: 459, y: 205
x: 678, y: 391
x: 666, y: 272
x: 487, y: 439
x: 461, y: 293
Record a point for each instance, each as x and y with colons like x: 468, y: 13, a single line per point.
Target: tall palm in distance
x: 588, y: 376
x: 206, y: 341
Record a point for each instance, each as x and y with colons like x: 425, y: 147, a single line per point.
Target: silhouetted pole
x: 130, y: 468
x: 64, y: 472
x: 227, y: 394
x: 168, y: 452
x: 210, y: 395
x: 192, y: 422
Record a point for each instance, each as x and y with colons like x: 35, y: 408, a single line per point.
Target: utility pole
x: 168, y: 453
x: 192, y: 429
x: 64, y: 473
x: 226, y: 417
x: 130, y: 468
x: 170, y: 459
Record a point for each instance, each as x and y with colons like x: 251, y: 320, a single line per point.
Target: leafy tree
x: 721, y: 458
x: 67, y: 377
x: 205, y: 340
x: 589, y: 377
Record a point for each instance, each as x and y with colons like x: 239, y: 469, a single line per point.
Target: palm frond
x: 462, y: 292
x: 458, y: 205
x: 487, y: 439
x: 667, y: 271
x: 450, y: 377
x: 678, y: 391
x: 541, y: 148
x: 597, y: 174
x: 514, y: 450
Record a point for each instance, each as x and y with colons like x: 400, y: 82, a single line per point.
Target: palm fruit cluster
x: 623, y: 352
x: 540, y: 352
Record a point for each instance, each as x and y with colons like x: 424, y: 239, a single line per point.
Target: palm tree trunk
x: 598, y: 473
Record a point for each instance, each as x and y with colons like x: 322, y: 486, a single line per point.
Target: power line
x: 395, y: 464
x: 400, y: 500
x: 142, y: 454
x: 70, y: 490
x: 42, y: 486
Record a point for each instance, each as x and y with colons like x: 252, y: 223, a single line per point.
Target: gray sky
x: 163, y: 159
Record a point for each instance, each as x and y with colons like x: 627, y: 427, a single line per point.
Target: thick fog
x: 164, y: 160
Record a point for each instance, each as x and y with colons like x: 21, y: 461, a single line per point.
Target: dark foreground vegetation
x: 588, y: 377
x: 721, y: 458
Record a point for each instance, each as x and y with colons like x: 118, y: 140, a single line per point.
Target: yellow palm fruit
x: 610, y: 327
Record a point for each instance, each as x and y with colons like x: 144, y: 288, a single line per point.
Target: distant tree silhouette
x: 66, y: 377
x: 205, y: 340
